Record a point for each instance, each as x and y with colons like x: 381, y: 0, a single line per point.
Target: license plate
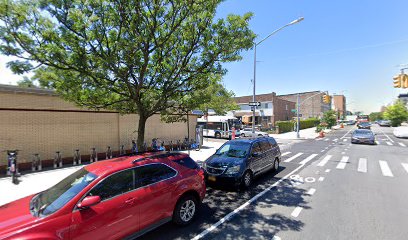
x: 211, y: 178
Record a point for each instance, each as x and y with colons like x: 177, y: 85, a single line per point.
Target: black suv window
x: 153, y: 173
x: 114, y: 185
x: 187, y: 162
x: 255, y: 148
x: 265, y: 146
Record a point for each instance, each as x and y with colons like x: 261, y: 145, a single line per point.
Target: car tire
x: 217, y: 135
x: 185, y: 210
x: 246, y: 181
x: 275, y: 165
x: 260, y: 135
x: 242, y: 134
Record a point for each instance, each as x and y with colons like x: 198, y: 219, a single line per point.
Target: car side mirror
x: 89, y: 201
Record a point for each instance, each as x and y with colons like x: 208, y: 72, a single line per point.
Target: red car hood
x: 15, y: 216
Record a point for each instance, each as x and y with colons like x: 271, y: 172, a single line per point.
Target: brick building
x: 339, y: 105
x: 38, y: 121
x: 311, y: 103
x: 272, y: 109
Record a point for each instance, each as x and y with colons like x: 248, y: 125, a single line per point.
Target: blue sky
x: 349, y: 47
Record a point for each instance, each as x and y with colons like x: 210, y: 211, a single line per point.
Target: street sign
x: 293, y: 110
x: 254, y: 104
x: 197, y: 112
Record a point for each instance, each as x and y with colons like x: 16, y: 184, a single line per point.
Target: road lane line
x: 306, y: 160
x: 311, y: 191
x: 346, y: 133
x: 345, y: 140
x: 405, y: 166
x: 390, y: 144
x: 293, y: 157
x: 243, y: 206
x: 296, y: 212
x: 327, y: 170
x: 324, y: 161
x: 327, y: 139
x: 321, y: 179
x: 386, y: 135
x: 342, y: 163
x: 335, y: 140
x: 362, y: 165
x: 286, y: 153
x: 402, y: 145
x: 322, y: 150
x: 385, y: 169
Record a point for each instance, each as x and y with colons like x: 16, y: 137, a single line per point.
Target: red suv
x: 113, y: 199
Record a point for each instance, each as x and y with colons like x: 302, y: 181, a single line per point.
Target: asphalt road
x: 325, y: 189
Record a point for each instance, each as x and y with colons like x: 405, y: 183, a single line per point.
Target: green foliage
x: 142, y: 57
x: 285, y: 126
x: 309, y: 123
x: 330, y: 117
x: 26, y: 83
x: 396, y: 113
x: 374, y: 116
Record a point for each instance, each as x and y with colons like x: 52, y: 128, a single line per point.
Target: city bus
x: 219, y: 126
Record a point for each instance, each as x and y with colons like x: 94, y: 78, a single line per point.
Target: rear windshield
x: 359, y: 132
x: 187, y: 162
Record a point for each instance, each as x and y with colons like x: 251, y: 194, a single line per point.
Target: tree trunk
x: 141, y: 133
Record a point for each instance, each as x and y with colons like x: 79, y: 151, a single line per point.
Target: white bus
x: 219, y: 126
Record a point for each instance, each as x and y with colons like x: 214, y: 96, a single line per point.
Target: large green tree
x: 374, y: 116
x: 330, y: 117
x: 133, y: 56
x: 396, y: 113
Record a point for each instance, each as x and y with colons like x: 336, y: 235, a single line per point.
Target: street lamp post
x: 254, y: 80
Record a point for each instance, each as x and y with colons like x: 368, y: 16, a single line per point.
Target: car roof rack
x: 160, y: 155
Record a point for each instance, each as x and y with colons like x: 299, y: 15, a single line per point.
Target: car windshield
x: 54, y: 198
x: 357, y: 132
x: 234, y: 149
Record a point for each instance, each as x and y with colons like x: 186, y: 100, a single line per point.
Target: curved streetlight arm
x: 277, y: 30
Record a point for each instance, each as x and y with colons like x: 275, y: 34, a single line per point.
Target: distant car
x: 363, y: 136
x: 384, y: 123
x: 247, y: 132
x: 237, y: 162
x: 364, y: 125
x: 113, y: 199
x: 401, y: 132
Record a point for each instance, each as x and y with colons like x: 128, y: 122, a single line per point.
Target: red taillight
x: 201, y: 173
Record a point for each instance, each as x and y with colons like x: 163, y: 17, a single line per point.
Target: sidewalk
x: 308, y: 133
x: 36, y: 182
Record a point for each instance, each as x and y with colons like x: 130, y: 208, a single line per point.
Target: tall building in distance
x: 311, y: 103
x: 339, y: 105
x: 404, y: 98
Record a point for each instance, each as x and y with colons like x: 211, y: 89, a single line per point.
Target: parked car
x: 363, y: 136
x: 112, y: 199
x: 364, y: 125
x: 247, y: 132
x: 401, y: 132
x: 237, y: 162
x: 384, y: 123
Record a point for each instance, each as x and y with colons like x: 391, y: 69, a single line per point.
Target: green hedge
x: 309, y: 123
x: 285, y: 126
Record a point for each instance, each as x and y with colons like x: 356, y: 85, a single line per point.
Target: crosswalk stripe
x: 389, y: 143
x: 296, y: 211
x: 402, y: 145
x: 405, y: 166
x: 327, y: 139
x: 345, y: 140
x: 293, y: 157
x: 385, y: 169
x: 342, y: 163
x: 324, y: 161
x: 362, y: 165
x: 284, y: 154
x: 335, y: 140
x: 306, y: 160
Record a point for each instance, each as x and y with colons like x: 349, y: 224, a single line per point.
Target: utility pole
x: 253, y: 95
x: 297, y: 120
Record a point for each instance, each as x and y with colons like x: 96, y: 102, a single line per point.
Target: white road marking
x: 343, y: 152
x: 321, y: 179
x: 276, y: 238
x: 405, y: 166
x: 347, y: 133
x: 390, y: 144
x: 386, y: 135
x: 327, y: 170
x: 324, y: 161
x: 306, y: 160
x: 284, y: 154
x: 335, y: 140
x: 296, y: 212
x: 345, y: 140
x: 385, y: 169
x: 293, y: 157
x: 322, y: 150
x: 327, y: 139
x: 243, y: 206
x: 377, y: 142
x: 342, y: 163
x: 311, y: 191
x: 362, y: 165
x: 318, y: 139
x: 402, y: 145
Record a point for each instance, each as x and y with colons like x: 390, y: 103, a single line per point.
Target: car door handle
x: 130, y: 201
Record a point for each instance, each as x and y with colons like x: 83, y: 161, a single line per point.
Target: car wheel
x: 246, y: 180
x: 242, y: 134
x: 276, y: 165
x: 217, y: 135
x: 185, y: 210
x: 260, y: 135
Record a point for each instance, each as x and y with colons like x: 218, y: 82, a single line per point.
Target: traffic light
x: 326, y: 98
x: 401, y: 81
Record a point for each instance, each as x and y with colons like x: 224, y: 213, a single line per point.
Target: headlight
x: 233, y: 170
x: 354, y: 138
